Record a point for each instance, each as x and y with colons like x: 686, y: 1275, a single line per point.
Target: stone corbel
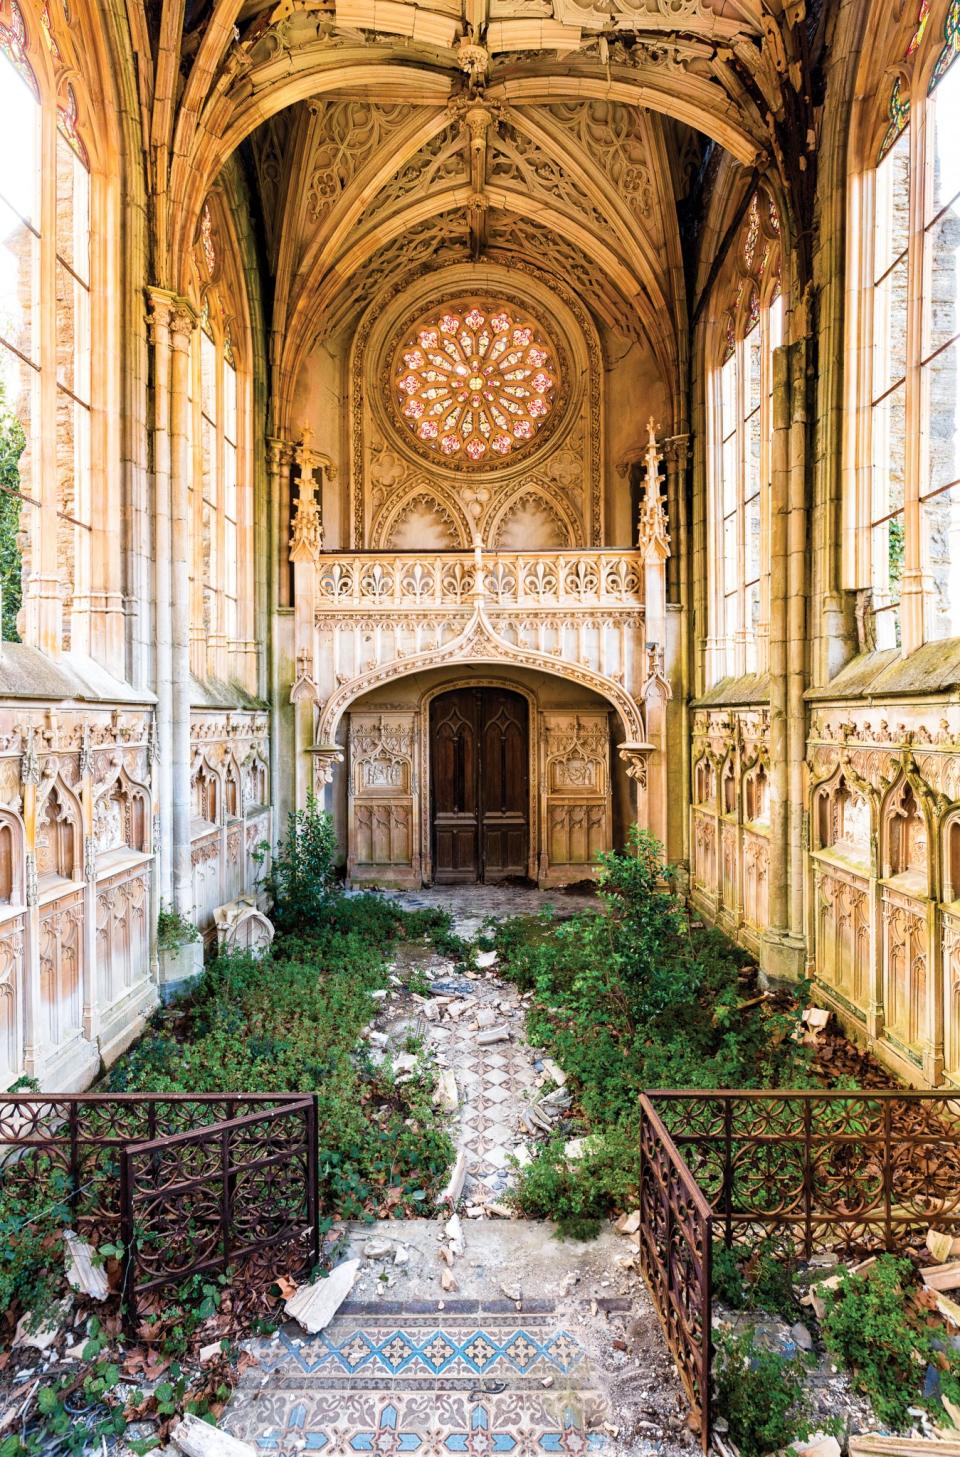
x: 635, y: 757
x: 326, y: 757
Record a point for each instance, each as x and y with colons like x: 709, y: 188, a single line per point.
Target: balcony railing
x: 511, y: 579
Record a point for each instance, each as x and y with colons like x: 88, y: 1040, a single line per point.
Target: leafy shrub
x: 579, y: 1193
x: 760, y: 1393
x: 866, y: 1328
x: 303, y: 870
x: 174, y: 930
x: 630, y: 999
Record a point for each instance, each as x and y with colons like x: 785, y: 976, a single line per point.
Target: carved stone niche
x: 383, y: 809
x: 841, y: 820
x: 576, y: 811
x: 242, y: 927
x: 12, y: 882
x: 59, y: 837
x: 121, y: 818
x: 206, y: 786
x: 704, y: 782
x: 904, y: 838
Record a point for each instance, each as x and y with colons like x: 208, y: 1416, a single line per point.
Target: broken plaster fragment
x: 314, y: 1306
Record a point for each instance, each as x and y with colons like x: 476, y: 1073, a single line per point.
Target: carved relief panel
x: 904, y: 954
x: 61, y: 961
x: 123, y: 936
x: 383, y: 806
x: 576, y: 811
x: 843, y: 934
x: 11, y: 1000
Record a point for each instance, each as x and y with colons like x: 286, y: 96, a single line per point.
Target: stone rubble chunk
x: 380, y: 994
x: 820, y: 1446
x: 522, y: 1155
x: 628, y: 1223
x: 447, y: 1282
x: 499, y: 1211
x: 314, y: 1306
x: 942, y: 1246
x: 379, y: 1039
x: 486, y: 1017
x: 197, y: 1438
x: 210, y: 1352
x: 46, y: 1327
x: 512, y: 1292
x: 802, y: 1338
x: 377, y: 1249
x: 554, y: 1071
x: 401, y: 1255
x: 447, y: 1094
x: 404, y: 1062
x: 494, y: 1036
x: 454, y: 1188
x: 453, y: 1229
x: 431, y: 1011
x: 485, y: 959
x: 82, y: 1274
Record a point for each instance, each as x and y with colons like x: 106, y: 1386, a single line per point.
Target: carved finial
x: 30, y: 763
x: 652, y: 533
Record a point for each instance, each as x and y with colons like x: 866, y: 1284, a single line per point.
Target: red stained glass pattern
x: 752, y: 234
x: 67, y: 123
x: 208, y: 245
x: 474, y: 382
x: 951, y: 48
x: 921, y: 26
x: 13, y: 45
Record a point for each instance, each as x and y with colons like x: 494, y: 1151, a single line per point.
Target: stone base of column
x: 783, y: 956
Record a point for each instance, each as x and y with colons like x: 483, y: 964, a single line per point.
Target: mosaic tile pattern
x: 420, y: 1382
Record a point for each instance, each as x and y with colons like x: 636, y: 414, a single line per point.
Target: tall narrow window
x: 742, y: 459
x: 888, y: 424
x: 940, y: 362
x: 222, y: 513
x: 908, y: 549
x: 20, y: 118
x: 44, y: 273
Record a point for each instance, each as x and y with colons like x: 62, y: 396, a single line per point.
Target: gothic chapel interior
x: 510, y: 420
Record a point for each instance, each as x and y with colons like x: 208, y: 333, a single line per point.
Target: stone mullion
x: 911, y: 581
x: 183, y: 323
x: 217, y: 650
x: 161, y: 310
x: 32, y: 1008
x: 777, y: 654
x: 45, y: 630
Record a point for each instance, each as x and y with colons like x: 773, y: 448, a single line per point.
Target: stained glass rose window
x: 474, y: 382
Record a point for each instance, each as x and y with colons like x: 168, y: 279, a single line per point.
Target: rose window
x: 475, y: 383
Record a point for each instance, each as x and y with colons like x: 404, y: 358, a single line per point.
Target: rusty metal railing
x: 676, y: 1247
x: 838, y: 1170
x: 190, y: 1182
x: 196, y: 1203
x: 835, y: 1169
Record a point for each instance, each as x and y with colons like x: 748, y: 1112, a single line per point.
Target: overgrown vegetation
x: 13, y: 442
x: 630, y: 999
x: 761, y: 1394
x: 290, y: 1022
x: 174, y: 930
x: 287, y: 1021
x: 759, y: 1279
x: 878, y: 1324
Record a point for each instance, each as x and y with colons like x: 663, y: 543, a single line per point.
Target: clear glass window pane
x: 208, y: 375
x: 20, y: 154
x: 753, y: 539
x: 229, y: 401
x: 230, y: 480
x: 208, y: 449
x: 941, y: 419
x: 73, y: 334
x: 890, y: 329
x: 889, y: 453
x: 73, y: 210
x: 19, y: 283
x: 945, y: 163
x: 941, y: 279
x: 730, y: 568
x: 728, y: 397
x: 752, y: 356
x: 728, y: 467
x: 892, y: 212
x: 941, y: 559
x: 752, y: 481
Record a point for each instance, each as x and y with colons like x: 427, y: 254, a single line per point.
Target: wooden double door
x: 479, y: 781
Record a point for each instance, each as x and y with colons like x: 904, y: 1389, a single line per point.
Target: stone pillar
x: 182, y: 323
x: 32, y: 1010
x: 87, y: 794
x: 161, y: 308
x: 306, y: 543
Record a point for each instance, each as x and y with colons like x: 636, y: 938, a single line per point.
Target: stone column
x: 161, y: 308
x: 306, y: 543
x: 182, y: 323
x: 32, y: 1011
x: 87, y: 792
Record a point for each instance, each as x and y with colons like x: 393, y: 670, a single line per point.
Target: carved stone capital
x: 326, y: 757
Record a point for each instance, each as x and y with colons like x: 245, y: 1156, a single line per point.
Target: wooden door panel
x: 453, y: 778
x: 504, y: 784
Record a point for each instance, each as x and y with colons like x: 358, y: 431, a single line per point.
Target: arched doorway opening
x: 480, y: 785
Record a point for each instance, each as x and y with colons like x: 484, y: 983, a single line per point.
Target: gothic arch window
x: 750, y: 310
x: 906, y: 549
x: 221, y: 495
x: 45, y: 272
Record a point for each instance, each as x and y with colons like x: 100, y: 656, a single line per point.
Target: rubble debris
x: 942, y: 1246
x: 86, y: 1277
x: 485, y: 959
x: 314, y: 1306
x: 486, y: 1017
x: 554, y: 1071
x: 942, y: 1277
x: 40, y: 1331
x: 447, y: 1282
x: 197, y: 1438
x: 453, y: 1229
x: 877, y: 1446
x: 628, y: 1223
x: 820, y: 1446
x: 447, y: 1094
x: 377, y: 1249
x: 451, y: 1194
x: 495, y: 1035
